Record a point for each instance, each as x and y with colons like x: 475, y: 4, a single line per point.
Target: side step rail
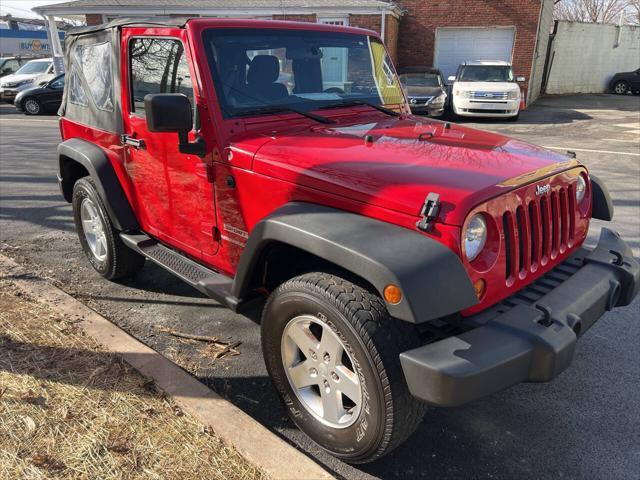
x: 203, y: 279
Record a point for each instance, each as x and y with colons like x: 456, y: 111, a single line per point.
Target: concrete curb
x: 258, y: 445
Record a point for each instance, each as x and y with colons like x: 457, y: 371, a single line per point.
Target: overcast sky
x: 22, y: 8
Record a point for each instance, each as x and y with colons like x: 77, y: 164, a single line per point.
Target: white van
x: 485, y: 88
x: 31, y: 74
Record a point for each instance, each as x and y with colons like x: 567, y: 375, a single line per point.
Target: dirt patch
x: 68, y: 409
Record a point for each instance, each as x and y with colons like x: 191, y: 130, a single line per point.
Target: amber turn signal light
x: 480, y: 286
x: 392, y: 294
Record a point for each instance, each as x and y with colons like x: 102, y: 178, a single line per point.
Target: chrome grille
x: 479, y: 95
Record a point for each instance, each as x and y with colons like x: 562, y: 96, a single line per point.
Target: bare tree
x: 595, y: 11
x: 633, y: 12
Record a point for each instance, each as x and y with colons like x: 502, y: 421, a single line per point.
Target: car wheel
x: 621, y: 87
x: 332, y: 351
x: 32, y: 106
x: 101, y: 242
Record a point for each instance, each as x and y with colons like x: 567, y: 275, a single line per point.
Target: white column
x: 383, y: 26
x: 56, y: 46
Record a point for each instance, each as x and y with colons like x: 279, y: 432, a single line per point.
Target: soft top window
x: 94, y: 64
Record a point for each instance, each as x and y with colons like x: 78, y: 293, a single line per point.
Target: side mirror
x: 172, y: 112
x: 520, y: 79
x: 451, y: 78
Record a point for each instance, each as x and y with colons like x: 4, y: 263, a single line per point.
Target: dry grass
x: 71, y: 410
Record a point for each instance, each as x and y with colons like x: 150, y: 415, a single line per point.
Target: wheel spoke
x: 87, y: 225
x: 102, y: 243
x: 349, y: 383
x: 331, y: 345
x: 303, y: 337
x: 300, y: 376
x: 332, y: 408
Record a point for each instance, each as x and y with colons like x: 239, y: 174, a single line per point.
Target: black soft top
x: 129, y: 22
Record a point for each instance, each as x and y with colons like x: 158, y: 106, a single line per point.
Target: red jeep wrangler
x: 402, y: 261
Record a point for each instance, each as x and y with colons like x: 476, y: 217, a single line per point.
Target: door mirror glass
x: 451, y: 78
x: 520, y: 79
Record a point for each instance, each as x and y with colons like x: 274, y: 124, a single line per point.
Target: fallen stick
x: 190, y: 336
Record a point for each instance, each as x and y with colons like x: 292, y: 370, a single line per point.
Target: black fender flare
x: 433, y: 280
x: 97, y: 164
x: 601, y: 203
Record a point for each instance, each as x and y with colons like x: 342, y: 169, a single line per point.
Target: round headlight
x: 581, y: 188
x: 475, y: 236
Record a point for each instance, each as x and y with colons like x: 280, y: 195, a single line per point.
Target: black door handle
x: 136, y: 143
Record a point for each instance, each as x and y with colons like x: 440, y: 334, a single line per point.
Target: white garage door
x: 456, y: 45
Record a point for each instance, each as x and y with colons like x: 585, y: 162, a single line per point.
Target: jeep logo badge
x: 542, y: 189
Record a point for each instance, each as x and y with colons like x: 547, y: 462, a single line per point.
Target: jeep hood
x: 395, y: 163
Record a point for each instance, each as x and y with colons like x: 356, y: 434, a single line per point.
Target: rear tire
x: 621, y: 88
x: 326, y: 314
x: 101, y: 242
x: 32, y: 106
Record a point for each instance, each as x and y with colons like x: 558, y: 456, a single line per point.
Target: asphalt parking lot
x: 585, y: 424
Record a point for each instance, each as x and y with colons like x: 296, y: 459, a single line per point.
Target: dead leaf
x: 34, y: 399
x: 43, y: 460
x: 29, y: 423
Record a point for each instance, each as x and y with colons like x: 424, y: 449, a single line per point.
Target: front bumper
x: 532, y: 335
x: 485, y: 108
x: 8, y: 94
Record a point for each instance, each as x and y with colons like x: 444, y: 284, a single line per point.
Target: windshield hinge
x: 429, y: 212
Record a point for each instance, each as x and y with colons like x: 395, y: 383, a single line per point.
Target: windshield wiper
x: 351, y: 103
x: 279, y: 109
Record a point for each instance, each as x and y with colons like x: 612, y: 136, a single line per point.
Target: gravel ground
x: 586, y: 423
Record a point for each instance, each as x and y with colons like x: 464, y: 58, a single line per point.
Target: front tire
x: 32, y: 106
x: 332, y: 352
x: 621, y: 88
x: 101, y: 242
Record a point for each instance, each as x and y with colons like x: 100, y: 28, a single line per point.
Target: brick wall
x: 374, y: 22
x: 418, y: 26
x: 93, y: 18
x: 297, y: 18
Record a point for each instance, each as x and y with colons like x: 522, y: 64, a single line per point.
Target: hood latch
x: 429, y: 212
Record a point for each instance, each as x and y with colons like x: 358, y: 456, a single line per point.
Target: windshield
x: 33, y: 67
x: 486, y: 73
x: 421, y: 80
x: 260, y: 70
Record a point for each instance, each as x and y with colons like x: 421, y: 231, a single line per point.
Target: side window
x: 158, y: 65
x: 58, y: 84
x: 10, y: 66
x: 92, y: 63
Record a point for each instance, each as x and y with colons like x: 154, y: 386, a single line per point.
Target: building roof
x: 290, y: 7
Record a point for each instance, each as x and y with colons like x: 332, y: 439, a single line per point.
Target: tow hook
x: 429, y: 212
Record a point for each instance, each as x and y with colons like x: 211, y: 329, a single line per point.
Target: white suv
x: 32, y: 74
x: 485, y: 89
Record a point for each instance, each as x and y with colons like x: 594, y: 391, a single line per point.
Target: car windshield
x: 420, y: 80
x: 262, y: 70
x: 486, y: 73
x: 33, y: 67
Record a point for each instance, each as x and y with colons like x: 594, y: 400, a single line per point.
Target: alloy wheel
x: 32, y: 106
x: 93, y: 228
x: 321, y: 372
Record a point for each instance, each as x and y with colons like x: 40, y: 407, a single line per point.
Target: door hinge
x: 211, y: 172
x: 429, y: 212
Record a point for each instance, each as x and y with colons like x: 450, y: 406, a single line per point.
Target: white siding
x: 456, y: 45
x: 586, y: 56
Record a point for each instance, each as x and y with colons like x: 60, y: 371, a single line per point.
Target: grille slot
x: 538, y: 231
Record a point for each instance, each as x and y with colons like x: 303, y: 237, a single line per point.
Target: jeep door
x: 174, y: 194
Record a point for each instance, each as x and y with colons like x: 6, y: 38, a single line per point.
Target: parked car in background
x: 625, y: 82
x: 485, y: 89
x: 9, y: 65
x: 425, y: 90
x: 38, y: 100
x: 33, y: 73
